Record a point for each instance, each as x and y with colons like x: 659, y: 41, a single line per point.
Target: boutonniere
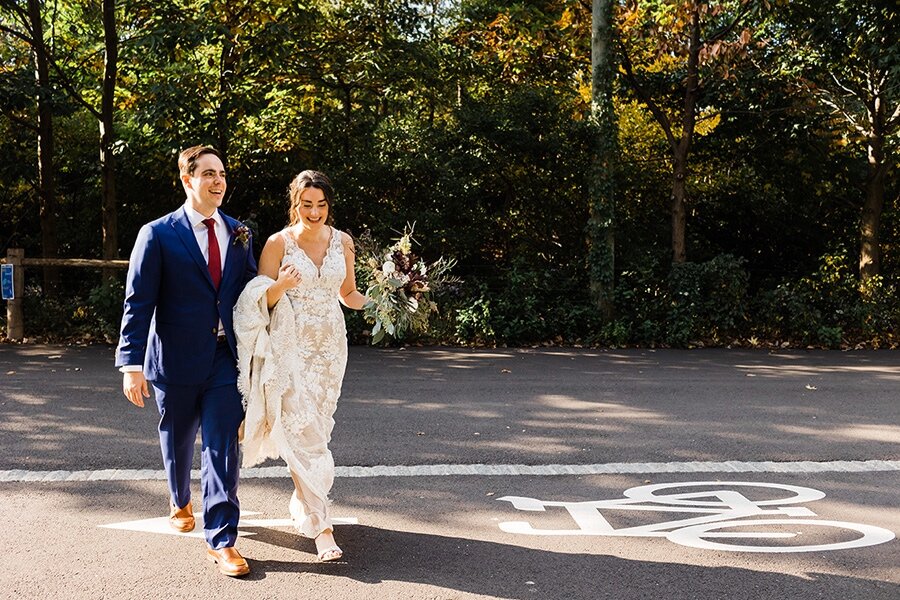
x: 241, y: 235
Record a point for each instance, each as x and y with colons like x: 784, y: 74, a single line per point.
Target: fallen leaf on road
x: 490, y: 494
x: 505, y: 371
x: 10, y: 372
x: 420, y: 433
x: 810, y: 387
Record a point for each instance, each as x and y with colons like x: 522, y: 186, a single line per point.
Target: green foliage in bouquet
x: 400, y: 286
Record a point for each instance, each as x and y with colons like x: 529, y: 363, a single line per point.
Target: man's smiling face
x: 206, y: 186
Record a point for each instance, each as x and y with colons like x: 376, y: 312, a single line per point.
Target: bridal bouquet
x: 400, y: 286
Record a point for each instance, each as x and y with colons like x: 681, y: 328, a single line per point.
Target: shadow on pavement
x: 60, y: 405
x: 377, y: 555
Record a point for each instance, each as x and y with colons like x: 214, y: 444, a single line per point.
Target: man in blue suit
x: 186, y: 272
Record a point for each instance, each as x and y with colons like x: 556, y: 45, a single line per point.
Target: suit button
x: 215, y: 330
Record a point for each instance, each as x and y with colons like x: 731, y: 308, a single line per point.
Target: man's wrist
x: 130, y: 368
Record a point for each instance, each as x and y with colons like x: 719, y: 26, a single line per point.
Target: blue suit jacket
x: 172, y: 309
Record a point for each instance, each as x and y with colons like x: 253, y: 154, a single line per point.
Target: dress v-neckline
x: 318, y: 268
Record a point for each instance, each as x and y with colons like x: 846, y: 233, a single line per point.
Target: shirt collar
x: 196, y: 219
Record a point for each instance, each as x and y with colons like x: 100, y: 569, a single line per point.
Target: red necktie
x: 215, y: 259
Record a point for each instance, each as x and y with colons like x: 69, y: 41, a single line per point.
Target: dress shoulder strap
x: 289, y: 244
x: 337, y: 240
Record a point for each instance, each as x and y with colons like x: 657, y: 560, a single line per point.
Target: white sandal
x: 330, y: 553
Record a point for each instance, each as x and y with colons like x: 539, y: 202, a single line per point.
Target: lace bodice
x: 317, y: 283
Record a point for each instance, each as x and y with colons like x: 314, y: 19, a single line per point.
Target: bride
x: 292, y: 352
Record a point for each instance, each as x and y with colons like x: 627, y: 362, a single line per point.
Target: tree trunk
x: 601, y: 238
x: 682, y: 149
x: 870, y: 222
x: 46, y: 168
x: 107, y: 137
x: 679, y: 212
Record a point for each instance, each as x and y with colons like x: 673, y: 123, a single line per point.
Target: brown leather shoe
x: 181, y: 519
x: 230, y: 561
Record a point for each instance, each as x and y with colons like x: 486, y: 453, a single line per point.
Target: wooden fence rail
x: 15, y: 317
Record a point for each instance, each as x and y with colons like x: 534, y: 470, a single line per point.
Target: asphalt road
x: 595, y: 423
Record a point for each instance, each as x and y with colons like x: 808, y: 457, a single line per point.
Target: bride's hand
x: 288, y: 277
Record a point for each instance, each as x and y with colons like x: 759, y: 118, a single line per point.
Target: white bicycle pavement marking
x: 450, y: 470
x: 722, y: 508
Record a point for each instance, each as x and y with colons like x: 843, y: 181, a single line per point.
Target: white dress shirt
x: 200, y: 232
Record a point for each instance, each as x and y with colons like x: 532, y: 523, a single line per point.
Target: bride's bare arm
x: 350, y: 296
x: 286, y: 277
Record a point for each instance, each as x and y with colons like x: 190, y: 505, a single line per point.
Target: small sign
x: 6, y: 275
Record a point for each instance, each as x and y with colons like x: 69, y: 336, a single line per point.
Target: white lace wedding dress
x: 291, y: 362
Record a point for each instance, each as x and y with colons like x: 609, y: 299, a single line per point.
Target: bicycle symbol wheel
x: 698, y: 536
x: 647, y: 493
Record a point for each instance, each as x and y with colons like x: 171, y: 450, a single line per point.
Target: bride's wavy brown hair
x: 305, y: 180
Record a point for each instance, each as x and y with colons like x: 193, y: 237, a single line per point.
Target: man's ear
x: 186, y: 181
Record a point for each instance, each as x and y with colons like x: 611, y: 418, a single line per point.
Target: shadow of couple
x: 374, y: 555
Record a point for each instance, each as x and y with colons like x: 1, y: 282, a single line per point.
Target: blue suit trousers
x: 214, y: 407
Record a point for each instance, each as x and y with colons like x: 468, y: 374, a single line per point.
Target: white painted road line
x: 730, y: 466
x: 161, y: 525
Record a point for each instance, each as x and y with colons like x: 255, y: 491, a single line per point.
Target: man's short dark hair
x: 187, y: 160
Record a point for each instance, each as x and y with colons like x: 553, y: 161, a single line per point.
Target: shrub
x: 707, y: 300
x: 106, y: 306
x: 473, y: 322
x: 702, y: 302
x: 830, y: 307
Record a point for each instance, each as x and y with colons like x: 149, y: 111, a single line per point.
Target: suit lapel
x: 182, y: 227
x: 231, y: 256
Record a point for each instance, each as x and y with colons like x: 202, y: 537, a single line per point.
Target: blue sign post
x: 6, y: 281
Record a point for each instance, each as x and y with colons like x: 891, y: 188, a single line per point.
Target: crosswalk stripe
x: 452, y: 470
